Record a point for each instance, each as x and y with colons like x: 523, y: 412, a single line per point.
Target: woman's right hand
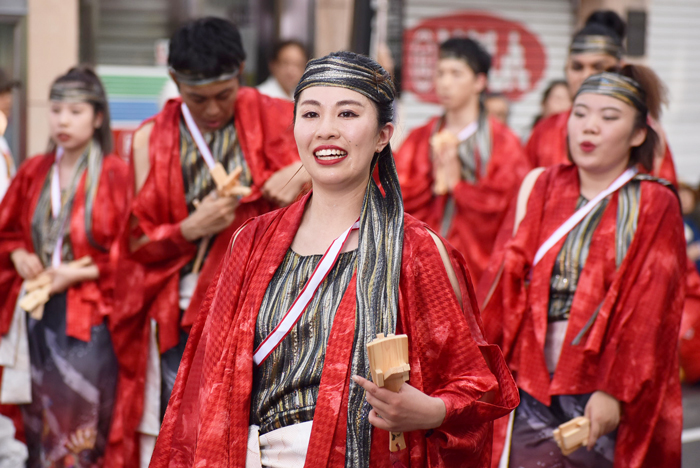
x: 27, y: 264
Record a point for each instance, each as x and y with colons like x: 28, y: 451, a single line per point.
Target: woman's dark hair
x: 91, y: 83
x: 552, y: 84
x: 468, y: 50
x: 385, y: 109
x: 655, y: 96
x: 604, y: 23
x: 281, y: 45
x: 206, y: 46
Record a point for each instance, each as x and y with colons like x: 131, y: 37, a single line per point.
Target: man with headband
x: 460, y: 171
x: 597, y: 47
x: 276, y: 377
x: 179, y: 228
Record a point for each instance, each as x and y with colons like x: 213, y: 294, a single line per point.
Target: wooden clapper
x: 227, y: 185
x: 38, y: 290
x: 388, y: 362
x: 572, y: 435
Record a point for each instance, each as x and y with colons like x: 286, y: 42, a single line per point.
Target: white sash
x: 285, y: 447
x: 468, y: 131
x: 198, y: 138
x: 297, y: 309
x: 581, y: 213
x: 56, y: 207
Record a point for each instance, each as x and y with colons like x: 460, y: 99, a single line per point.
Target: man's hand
x: 284, y: 186
x: 448, y: 164
x: 603, y: 410
x: 211, y: 216
x: 28, y: 265
x: 409, y: 409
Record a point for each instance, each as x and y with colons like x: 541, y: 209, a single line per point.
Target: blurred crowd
x: 106, y: 264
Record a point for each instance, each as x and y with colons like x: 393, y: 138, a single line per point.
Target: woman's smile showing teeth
x: 329, y: 155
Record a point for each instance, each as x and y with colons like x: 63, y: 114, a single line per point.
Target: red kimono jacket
x: 630, y: 351
x: 479, y: 208
x: 90, y: 302
x: 149, y: 277
x: 208, y: 416
x: 547, y: 147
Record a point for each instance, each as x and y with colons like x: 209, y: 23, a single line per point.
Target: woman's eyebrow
x: 349, y: 102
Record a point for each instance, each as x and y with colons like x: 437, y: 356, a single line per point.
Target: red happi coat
x: 479, y: 208
x: 630, y: 352
x: 547, y: 147
x: 208, y: 416
x: 149, y: 277
x: 88, y: 303
x: 689, y: 347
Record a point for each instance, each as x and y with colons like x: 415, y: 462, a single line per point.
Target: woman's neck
x: 68, y: 163
x: 593, y: 183
x: 459, y: 118
x: 328, y: 214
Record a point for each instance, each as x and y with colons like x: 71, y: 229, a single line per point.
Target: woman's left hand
x: 409, y: 409
x: 62, y: 277
x: 603, y: 410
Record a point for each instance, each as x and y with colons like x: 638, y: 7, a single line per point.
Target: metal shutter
x: 673, y: 40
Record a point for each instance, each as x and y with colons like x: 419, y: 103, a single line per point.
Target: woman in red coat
x: 63, y: 206
x: 246, y: 395
x: 587, y: 311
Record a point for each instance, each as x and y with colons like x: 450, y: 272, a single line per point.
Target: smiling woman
x: 304, y: 395
x: 588, y: 301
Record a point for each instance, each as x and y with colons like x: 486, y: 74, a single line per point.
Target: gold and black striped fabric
x: 380, y: 242
x: 46, y: 228
x: 573, y: 254
x: 617, y: 86
x: 286, y: 384
x: 476, y: 146
x: 596, y: 44
x: 225, y: 148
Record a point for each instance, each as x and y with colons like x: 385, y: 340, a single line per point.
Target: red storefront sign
x: 518, y: 57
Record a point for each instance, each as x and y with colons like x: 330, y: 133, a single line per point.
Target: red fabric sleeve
x: 642, y: 335
x: 15, y: 230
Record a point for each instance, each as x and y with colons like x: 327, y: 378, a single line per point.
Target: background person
x: 176, y: 216
x: 497, y: 106
x: 555, y: 100
x: 590, y: 326
x: 62, y: 206
x: 460, y: 171
x: 7, y: 162
x: 286, y: 67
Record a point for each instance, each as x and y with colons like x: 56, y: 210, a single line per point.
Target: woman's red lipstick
x: 587, y: 147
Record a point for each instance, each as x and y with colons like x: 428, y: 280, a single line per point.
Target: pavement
x: 691, y: 426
